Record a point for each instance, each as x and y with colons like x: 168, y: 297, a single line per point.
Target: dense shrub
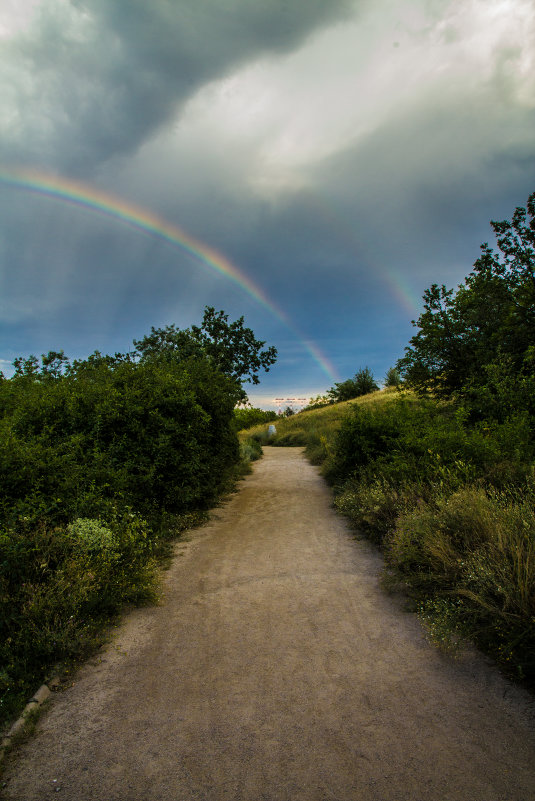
x: 430, y: 443
x: 247, y: 417
x: 102, y: 462
x: 250, y: 450
x: 155, y: 437
x: 374, y: 506
x: 58, y: 585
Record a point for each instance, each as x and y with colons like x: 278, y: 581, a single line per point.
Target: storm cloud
x: 86, y: 81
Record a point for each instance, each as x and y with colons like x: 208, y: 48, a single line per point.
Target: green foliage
x: 247, y: 417
x: 58, y: 586
x: 429, y: 442
x: 250, y: 451
x: 90, y: 535
x: 362, y: 383
x: 470, y: 557
x: 374, y: 505
x: 102, y: 461
x: 478, y: 341
x: 231, y: 347
x: 157, y: 436
x: 392, y: 377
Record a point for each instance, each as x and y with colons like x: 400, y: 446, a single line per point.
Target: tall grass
x: 469, y: 559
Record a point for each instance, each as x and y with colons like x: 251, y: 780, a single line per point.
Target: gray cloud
x: 91, y: 80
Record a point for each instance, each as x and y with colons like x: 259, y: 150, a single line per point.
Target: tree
x: 231, y: 347
x: 54, y: 363
x: 365, y: 382
x: 362, y: 383
x: 392, y: 377
x: 484, y: 327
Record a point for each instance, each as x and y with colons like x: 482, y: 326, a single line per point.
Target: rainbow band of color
x: 87, y: 197
x: 346, y: 235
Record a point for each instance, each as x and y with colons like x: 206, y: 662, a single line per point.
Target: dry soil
x: 277, y: 669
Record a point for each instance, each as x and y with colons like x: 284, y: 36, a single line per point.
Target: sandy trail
x: 276, y: 669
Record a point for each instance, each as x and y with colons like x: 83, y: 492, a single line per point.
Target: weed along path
x: 276, y: 669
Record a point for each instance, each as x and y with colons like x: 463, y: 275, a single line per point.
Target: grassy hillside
x: 450, y: 502
x: 316, y: 429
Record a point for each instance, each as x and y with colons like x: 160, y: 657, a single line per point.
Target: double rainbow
x: 94, y: 200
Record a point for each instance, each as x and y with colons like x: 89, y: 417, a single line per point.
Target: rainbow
x: 85, y: 196
x: 397, y: 285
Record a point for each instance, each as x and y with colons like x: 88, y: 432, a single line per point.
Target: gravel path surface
x: 276, y: 669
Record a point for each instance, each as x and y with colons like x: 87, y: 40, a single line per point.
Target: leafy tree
x: 392, y: 377
x: 28, y: 367
x: 231, y: 347
x: 362, y: 383
x: 342, y: 391
x: 484, y: 328
x: 54, y: 363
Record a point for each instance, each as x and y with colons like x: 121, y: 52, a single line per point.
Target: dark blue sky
x: 342, y: 155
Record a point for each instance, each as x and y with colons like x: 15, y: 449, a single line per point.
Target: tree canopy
x: 479, y: 341
x: 231, y: 347
x: 362, y: 383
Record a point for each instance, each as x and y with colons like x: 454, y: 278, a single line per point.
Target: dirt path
x: 277, y: 670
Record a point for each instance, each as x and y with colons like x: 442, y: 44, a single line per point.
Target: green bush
x: 428, y: 443
x: 374, y: 506
x: 250, y: 450
x: 58, y: 586
x: 248, y: 417
x: 102, y: 462
x: 157, y: 437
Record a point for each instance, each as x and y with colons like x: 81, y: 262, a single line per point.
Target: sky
x: 313, y: 166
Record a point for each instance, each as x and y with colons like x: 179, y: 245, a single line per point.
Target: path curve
x: 276, y: 669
